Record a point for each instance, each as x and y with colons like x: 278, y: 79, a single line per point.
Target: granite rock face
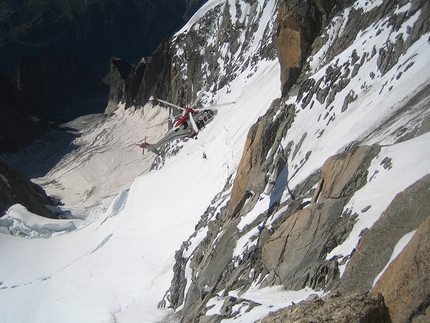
x: 299, y: 23
x: 405, y: 284
x: 254, y: 166
x: 295, y: 254
x: 406, y: 213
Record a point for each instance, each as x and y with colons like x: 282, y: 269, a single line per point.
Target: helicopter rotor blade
x: 196, y: 129
x: 219, y: 105
x: 162, y: 122
x: 171, y: 104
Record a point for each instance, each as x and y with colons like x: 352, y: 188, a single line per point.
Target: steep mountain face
x: 299, y: 23
x: 298, y: 198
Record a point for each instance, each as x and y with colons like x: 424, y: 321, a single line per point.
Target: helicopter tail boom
x: 148, y: 146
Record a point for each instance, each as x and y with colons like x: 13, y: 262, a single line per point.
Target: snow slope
x: 112, y: 260
x: 118, y: 262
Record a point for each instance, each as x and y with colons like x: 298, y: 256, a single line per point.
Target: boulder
x: 358, y: 307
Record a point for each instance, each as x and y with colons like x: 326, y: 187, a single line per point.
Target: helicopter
x: 190, y: 123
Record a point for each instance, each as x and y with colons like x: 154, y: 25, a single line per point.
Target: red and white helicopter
x: 188, y: 125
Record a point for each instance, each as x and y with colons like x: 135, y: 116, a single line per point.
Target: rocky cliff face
x: 295, y: 254
x: 300, y: 185
x: 299, y: 23
x: 134, y: 85
x: 406, y: 279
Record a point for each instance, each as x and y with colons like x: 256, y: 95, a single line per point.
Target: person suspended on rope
x: 204, y: 156
x: 248, y: 194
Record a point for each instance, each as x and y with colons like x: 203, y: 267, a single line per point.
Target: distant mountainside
x: 20, y: 122
x: 92, y: 30
x: 60, y: 87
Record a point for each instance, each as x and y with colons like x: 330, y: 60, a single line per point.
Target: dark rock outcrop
x: 17, y: 189
x: 119, y: 71
x: 358, y: 307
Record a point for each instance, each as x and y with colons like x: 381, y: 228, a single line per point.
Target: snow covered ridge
x: 322, y: 171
